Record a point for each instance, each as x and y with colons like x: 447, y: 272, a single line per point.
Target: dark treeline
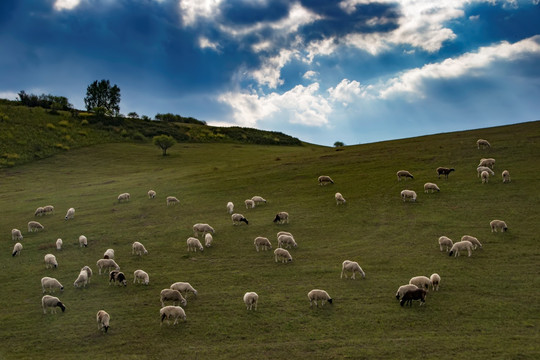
x: 46, y: 101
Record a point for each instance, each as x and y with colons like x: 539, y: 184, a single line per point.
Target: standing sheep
x: 107, y: 264
x: 172, y: 312
x: 473, y: 240
x: 59, y: 243
x: 325, y: 180
x: 184, y: 288
x: 481, y: 144
x: 286, y: 241
x: 70, y: 214
x: 117, y: 277
x: 34, y: 226
x: 50, y: 261
x: 408, y: 194
x: 444, y: 171
x: 498, y: 224
x: 138, y: 249
x: 445, y: 242
x: 317, y: 294
x: 103, y: 319
x: 202, y: 229
x: 484, y: 168
x: 258, y: 200
x: 208, y: 239
x: 193, y: 244
x: 124, y: 197
x: 171, y: 200
x: 403, y: 289
x: 172, y: 295
x: 16, y: 234
x: 262, y: 243
x: 238, y: 218
x: 422, y: 282
x: 282, y: 217
x: 230, y: 207
x: 352, y: 266
x: 505, y: 176
x: 485, y: 177
x: 48, y: 301
x: 16, y: 249
x: 435, y: 281
x: 83, y: 241
x: 404, y: 174
x: 50, y: 283
x: 151, y: 194
x: 282, y: 255
x: 431, y: 186
x: 417, y: 294
x: 340, y: 200
x: 250, y: 204
x: 251, y: 299
x: 141, y: 275
x: 461, y: 246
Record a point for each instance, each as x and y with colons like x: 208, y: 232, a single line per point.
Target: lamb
x: 107, y: 264
x: 325, y: 180
x: 202, y: 229
x: 39, y: 211
x: 444, y: 171
x: 505, y: 176
x: 250, y: 204
x: 498, y: 224
x: 141, y: 275
x: 340, y: 200
x: 317, y: 294
x: 70, y: 214
x: 417, y: 294
x: 16, y: 234
x: 171, y: 200
x: 34, y: 226
x: 238, y: 218
x: 208, y: 239
x: 473, y: 240
x: 151, y: 194
x: 251, y: 299
x: 286, y: 241
x: 50, y: 261
x: 230, y: 207
x: 403, y: 289
x: 108, y: 254
x: 262, y: 243
x: 59, y: 243
x: 485, y: 177
x: 352, y: 266
x: 408, y: 194
x: 484, y: 168
x: 172, y: 295
x: 193, y: 244
x: 172, y: 312
x: 48, y: 301
x: 117, y: 277
x: 435, y: 281
x: 258, y: 200
x: 282, y: 255
x: 50, y: 283
x: 489, y: 162
x: 481, y: 143
x: 282, y: 217
x: 82, y: 279
x: 83, y: 241
x: 124, y: 197
x: 404, y: 174
x: 88, y: 271
x: 138, y: 248
x: 461, y: 246
x: 184, y: 288
x: 422, y: 282
x: 103, y: 319
x: 445, y: 242
x: 431, y: 186
x: 17, y: 249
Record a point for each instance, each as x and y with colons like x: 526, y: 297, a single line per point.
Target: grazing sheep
x: 138, y: 249
x: 108, y: 254
x: 498, y: 224
x: 172, y: 295
x: 141, y: 275
x: 16, y: 249
x: 431, y: 186
x: 39, y: 211
x: 82, y: 279
x: 282, y: 255
x: 193, y: 244
x: 50, y: 261
x: 251, y: 299
x: 16, y: 234
x: 422, y: 282
x: 490, y: 162
x: 230, y: 207
x: 505, y: 176
x: 208, y: 239
x: 317, y: 294
x: 325, y: 180
x: 258, y: 200
x: 408, y: 194
x: 70, y: 214
x: 417, y: 294
x: 250, y: 204
x: 282, y: 217
x: 283, y: 233
x: 461, y: 246
x: 473, y: 240
x: 481, y: 143
x: 34, y: 226
x: 117, y: 277
x: 151, y: 194
x: 485, y: 177
x: 444, y: 171
x: 352, y: 266
x: 103, y: 319
x: 238, y: 218
x: 50, y: 283
x: 48, y: 301
x: 184, y: 288
x: 404, y: 174
x: 59, y: 243
x: 83, y: 241
x: 172, y: 200
x: 124, y: 197
x: 484, y: 168
x: 49, y: 209
x: 202, y: 229
x: 88, y: 271
x: 107, y: 264
x: 445, y: 242
x: 286, y: 241
x: 262, y: 243
x: 403, y: 289
x: 435, y: 281
x: 172, y: 312
x: 339, y: 199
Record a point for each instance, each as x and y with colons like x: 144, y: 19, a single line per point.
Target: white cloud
x: 310, y: 74
x: 192, y: 10
x: 320, y: 47
x: 346, y: 92
x: 205, y: 43
x: 269, y: 73
x: 66, y: 4
x: 474, y: 17
x: 10, y: 95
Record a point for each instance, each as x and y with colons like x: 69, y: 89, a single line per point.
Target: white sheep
x: 59, y: 243
x: 408, y: 194
x: 286, y: 241
x: 282, y: 255
x: 141, y: 275
x: 262, y: 243
x: 70, y: 214
x: 16, y: 234
x: 82, y: 279
x: 445, y: 242
x: 403, y: 289
x: 172, y: 295
x: 489, y: 162
x: 184, y: 288
x: 103, y: 319
x: 251, y: 299
x: 352, y: 266
x: 505, y: 176
x: 39, y: 211
x: 50, y: 261
x: 230, y: 207
x: 48, y: 301
x: 325, y: 180
x: 316, y: 295
x: 16, y: 249
x: 202, y: 229
x: 435, y: 281
x: 404, y: 174
x: 485, y: 177
x: 282, y: 217
x: 34, y: 226
x: 193, y: 244
x: 50, y: 283
x: 171, y: 200
x: 340, y: 200
x: 481, y: 143
x: 172, y: 312
x: 83, y: 241
x: 124, y: 197
x: 283, y: 233
x: 107, y: 264
x: 258, y: 200
x: 484, y: 168
x: 461, y: 246
x: 108, y: 254
x: 422, y: 282
x: 88, y: 271
x: 237, y: 219
x: 498, y: 224
x: 151, y: 194
x: 250, y: 204
x: 431, y: 187
x: 473, y: 240
x: 138, y: 248
x: 208, y: 239
x: 49, y: 209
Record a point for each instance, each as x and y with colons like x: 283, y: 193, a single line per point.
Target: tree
x: 339, y: 144
x: 102, y: 94
x: 133, y: 115
x: 164, y: 142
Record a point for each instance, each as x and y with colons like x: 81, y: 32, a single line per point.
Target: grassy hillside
x: 487, y: 305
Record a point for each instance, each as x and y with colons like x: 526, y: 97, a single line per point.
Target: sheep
x: 70, y: 214
x: 202, y: 229
x: 16, y: 234
x: 141, y: 275
x: 484, y: 168
x: 208, y: 239
x: 151, y: 194
x: 48, y: 209
x: 103, y: 319
x: 283, y: 255
x: 340, y: 200
x: 250, y: 204
x: 422, y: 282
x: 124, y: 196
x: 353, y: 266
x: 317, y: 294
x: 505, y: 176
x: 83, y: 241
x: 39, y: 211
x: 262, y: 243
x: 282, y: 217
x: 50, y: 283
x: 230, y: 207
x: 461, y: 246
x: 489, y: 162
x: 286, y: 241
x: 473, y: 240
x: 325, y: 180
x: 193, y: 244
x: 50, y: 261
x: 498, y: 224
x: 138, y: 248
x: 485, y: 177
x: 172, y: 295
x: 108, y: 254
x: 172, y: 312
x: 82, y: 279
x: 34, y: 226
x: 417, y: 294
x: 117, y: 277
x: 48, y: 301
x: 445, y: 242
x: 283, y: 233
x: 184, y: 288
x: 435, y: 281
x: 16, y: 249
x: 431, y: 186
x: 404, y: 174
x: 238, y: 218
x: 408, y: 194
x: 251, y: 299
x: 403, y: 289
x: 171, y: 200
x: 444, y: 171
x: 88, y: 271
x: 59, y: 243
x: 481, y: 143
x: 107, y: 264
x: 258, y: 200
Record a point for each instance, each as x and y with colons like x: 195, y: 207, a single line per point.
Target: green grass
x: 487, y: 306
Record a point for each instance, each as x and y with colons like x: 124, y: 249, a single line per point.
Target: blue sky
x: 355, y: 71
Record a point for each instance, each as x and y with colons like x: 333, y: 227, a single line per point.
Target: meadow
x: 487, y: 306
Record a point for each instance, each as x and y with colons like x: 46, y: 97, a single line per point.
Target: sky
x: 355, y: 71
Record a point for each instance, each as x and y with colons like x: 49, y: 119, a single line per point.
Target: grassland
x: 487, y: 307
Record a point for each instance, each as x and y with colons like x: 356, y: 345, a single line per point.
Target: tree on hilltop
x: 164, y: 142
x: 100, y: 94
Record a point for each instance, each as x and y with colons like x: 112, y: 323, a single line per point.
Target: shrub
x: 84, y: 122
x: 50, y: 126
x: 63, y: 123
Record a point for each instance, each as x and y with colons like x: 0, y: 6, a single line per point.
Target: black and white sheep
x: 230, y: 207
x: 498, y: 225
x: 408, y: 195
x: 51, y: 302
x: 172, y: 295
x: 435, y: 281
x: 184, y: 288
x: 124, y: 197
x: 83, y: 241
x: 481, y: 144
x: 251, y: 299
x: 286, y: 241
x: 445, y: 242
x: 70, y: 214
x: 202, y: 229
x: 258, y: 200
x: 262, y: 243
x: 422, y: 282
x: 403, y: 289
x: 351, y: 266
x: 193, y: 244
x: 172, y: 312
x: 325, y: 180
x: 138, y: 248
x: 151, y: 194
x: 34, y: 226
x: 50, y: 261
x: 484, y: 168
x: 282, y: 255
x: 238, y: 218
x: 473, y: 240
x: 171, y: 200
x: 16, y: 249
x: 461, y: 246
x: 444, y: 171
x: 318, y: 295
x: 107, y: 264
x: 431, y: 187
x: 417, y: 294
x: 404, y: 174
x: 250, y: 204
x: 117, y: 277
x: 340, y: 200
x: 16, y: 234
x: 505, y: 176
x: 50, y: 283
x: 281, y: 217
x: 141, y: 276
x: 103, y: 319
